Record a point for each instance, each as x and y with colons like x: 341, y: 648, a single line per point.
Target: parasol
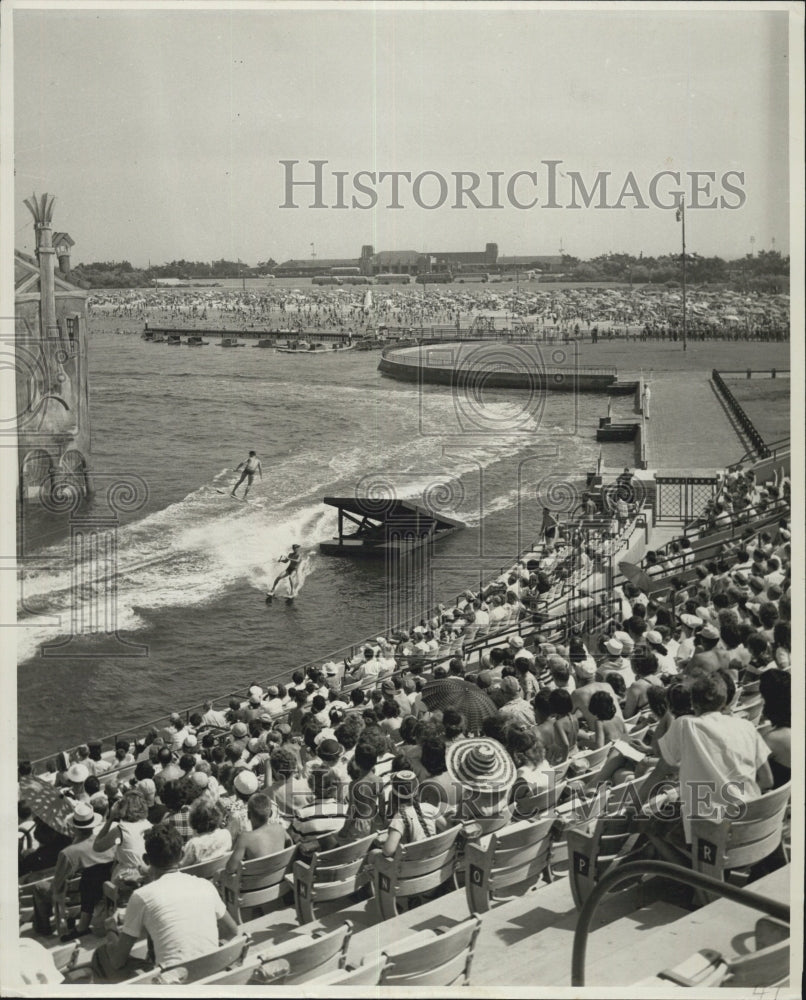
x: 46, y: 803
x: 453, y: 692
x: 642, y: 580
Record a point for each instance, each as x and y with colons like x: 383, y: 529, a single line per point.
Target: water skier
x: 250, y: 466
x: 293, y: 559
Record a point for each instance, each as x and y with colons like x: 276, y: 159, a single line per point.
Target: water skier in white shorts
x: 250, y: 466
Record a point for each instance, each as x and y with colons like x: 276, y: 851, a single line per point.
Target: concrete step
x: 722, y: 925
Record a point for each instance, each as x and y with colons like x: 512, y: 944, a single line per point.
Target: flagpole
x: 683, y: 217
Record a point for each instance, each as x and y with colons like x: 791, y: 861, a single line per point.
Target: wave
x: 183, y: 555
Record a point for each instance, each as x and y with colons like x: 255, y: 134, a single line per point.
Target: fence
x: 679, y: 499
x: 747, y: 425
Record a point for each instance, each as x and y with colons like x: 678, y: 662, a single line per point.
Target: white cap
x: 246, y: 782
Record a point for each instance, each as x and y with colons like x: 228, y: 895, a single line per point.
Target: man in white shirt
x: 364, y: 667
x: 685, y: 650
x: 183, y: 915
x: 213, y: 717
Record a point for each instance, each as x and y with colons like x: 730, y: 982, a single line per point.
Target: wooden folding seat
x: 330, y: 877
x: 256, y: 883
x: 414, y: 869
x: 508, y: 863
x: 433, y: 958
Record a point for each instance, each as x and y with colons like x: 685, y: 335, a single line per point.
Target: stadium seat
x: 593, y: 847
x: 251, y: 972
x: 312, y: 954
x: 225, y: 955
x: 595, y: 760
x: 508, y: 863
x: 69, y: 905
x: 366, y: 974
x: 432, y: 958
x: 208, y: 869
x: 256, y: 882
x: 414, y: 869
x: 717, y: 848
x: 536, y: 804
x: 330, y: 877
x: 764, y: 967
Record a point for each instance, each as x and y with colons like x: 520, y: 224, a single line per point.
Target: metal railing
x: 696, y: 880
x: 756, y: 372
x: 777, y: 449
x: 745, y: 422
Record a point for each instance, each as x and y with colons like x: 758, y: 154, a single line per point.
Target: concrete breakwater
x: 479, y: 365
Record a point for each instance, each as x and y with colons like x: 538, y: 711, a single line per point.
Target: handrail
x: 747, y: 424
x: 778, y: 447
x: 697, y: 880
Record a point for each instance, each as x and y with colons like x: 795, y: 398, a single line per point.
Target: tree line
x: 767, y: 270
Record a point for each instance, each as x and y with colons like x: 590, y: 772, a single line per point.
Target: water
x: 193, y: 565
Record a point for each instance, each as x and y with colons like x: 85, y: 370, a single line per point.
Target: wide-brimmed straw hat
x: 481, y: 764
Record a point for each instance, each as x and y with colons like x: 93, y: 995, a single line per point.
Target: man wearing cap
x: 708, y: 655
x: 515, y: 708
x: 686, y: 641
x: 614, y: 662
x: 76, y: 857
x: 244, y: 785
x: 391, y: 693
x: 253, y: 706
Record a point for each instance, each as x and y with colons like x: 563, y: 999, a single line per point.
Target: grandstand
x: 563, y: 859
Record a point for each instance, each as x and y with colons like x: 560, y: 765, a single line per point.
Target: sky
x: 161, y: 132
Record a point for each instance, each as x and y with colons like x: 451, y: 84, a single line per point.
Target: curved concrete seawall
x: 551, y: 368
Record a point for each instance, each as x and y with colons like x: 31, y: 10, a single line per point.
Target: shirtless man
x: 250, y: 466
x: 267, y: 836
x: 293, y: 559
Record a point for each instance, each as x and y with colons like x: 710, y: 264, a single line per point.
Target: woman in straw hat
x: 484, y: 774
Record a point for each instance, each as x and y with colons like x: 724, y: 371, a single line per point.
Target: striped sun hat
x: 481, y: 764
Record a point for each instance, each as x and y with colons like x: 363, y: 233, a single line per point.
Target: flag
x: 679, y: 213
x: 550, y: 523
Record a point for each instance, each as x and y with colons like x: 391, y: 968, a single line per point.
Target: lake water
x: 192, y: 565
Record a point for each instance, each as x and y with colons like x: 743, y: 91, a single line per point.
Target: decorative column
x: 42, y: 211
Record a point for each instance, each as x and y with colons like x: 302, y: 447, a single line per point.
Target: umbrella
x: 46, y: 803
x: 642, y: 580
x: 453, y: 692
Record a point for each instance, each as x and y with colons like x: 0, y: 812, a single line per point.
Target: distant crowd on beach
x: 593, y: 313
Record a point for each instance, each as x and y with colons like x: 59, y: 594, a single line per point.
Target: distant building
x: 548, y: 264
x: 53, y: 420
x: 307, y: 268
x: 415, y: 262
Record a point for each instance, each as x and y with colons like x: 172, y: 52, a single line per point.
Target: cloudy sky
x: 161, y: 131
